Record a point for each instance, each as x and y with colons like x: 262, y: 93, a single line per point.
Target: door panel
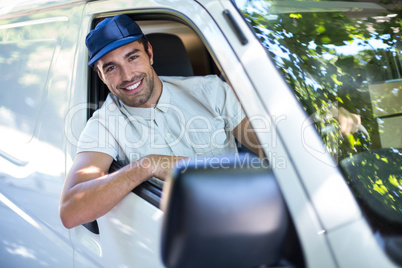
x: 130, y: 233
x: 36, y: 52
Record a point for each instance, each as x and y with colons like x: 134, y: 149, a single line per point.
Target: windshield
x: 345, y: 55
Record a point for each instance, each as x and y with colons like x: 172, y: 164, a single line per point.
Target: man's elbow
x: 66, y: 219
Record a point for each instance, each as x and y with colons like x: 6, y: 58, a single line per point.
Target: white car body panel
x: 355, y: 246
x: 32, y: 166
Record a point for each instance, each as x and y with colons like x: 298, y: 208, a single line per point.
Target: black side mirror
x: 223, y: 211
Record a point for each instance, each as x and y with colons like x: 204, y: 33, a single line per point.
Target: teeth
x: 134, y: 86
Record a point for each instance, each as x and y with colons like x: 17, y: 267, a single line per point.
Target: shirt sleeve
x: 97, y: 138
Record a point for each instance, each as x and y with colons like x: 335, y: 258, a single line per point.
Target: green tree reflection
x: 345, y: 57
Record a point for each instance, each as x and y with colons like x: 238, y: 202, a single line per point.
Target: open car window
x: 345, y: 54
x: 179, y: 52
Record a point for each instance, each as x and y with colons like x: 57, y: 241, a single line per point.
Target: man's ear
x: 99, y: 74
x: 150, y: 53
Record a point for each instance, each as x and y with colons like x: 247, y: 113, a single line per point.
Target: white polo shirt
x: 194, y: 117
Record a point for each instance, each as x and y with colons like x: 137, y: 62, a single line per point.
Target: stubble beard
x: 145, y: 94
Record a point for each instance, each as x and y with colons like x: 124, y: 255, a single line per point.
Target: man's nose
x: 126, y: 73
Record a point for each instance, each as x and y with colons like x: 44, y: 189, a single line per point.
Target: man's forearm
x: 91, y: 199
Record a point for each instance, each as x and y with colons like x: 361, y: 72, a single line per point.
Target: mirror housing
x: 224, y: 211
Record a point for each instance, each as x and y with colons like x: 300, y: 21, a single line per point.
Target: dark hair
x: 144, y: 41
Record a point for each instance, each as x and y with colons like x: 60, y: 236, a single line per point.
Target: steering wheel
x: 329, y: 128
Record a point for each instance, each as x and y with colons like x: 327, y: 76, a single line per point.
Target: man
x: 159, y: 122
x: 148, y: 121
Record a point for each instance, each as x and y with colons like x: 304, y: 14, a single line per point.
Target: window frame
x: 98, y: 91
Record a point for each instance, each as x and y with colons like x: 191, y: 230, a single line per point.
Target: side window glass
x: 27, y: 49
x: 342, y: 55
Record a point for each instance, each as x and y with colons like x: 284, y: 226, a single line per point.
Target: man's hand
x: 349, y: 123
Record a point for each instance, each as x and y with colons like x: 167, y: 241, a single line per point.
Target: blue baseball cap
x: 109, y: 34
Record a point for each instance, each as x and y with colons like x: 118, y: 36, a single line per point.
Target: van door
x: 129, y: 235
x: 36, y: 63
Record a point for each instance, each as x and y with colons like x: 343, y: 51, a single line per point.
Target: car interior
x: 180, y: 51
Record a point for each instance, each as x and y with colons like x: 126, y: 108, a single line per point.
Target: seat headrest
x: 170, y: 55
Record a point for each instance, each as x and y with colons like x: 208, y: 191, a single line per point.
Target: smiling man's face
x: 127, y: 71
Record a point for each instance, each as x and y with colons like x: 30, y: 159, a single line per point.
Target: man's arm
x: 244, y: 133
x: 89, y: 192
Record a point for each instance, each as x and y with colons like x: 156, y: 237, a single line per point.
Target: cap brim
x: 112, y: 46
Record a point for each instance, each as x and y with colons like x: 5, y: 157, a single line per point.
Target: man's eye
x: 110, y: 68
x: 133, y: 57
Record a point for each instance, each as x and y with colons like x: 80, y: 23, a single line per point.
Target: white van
x: 322, y: 200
